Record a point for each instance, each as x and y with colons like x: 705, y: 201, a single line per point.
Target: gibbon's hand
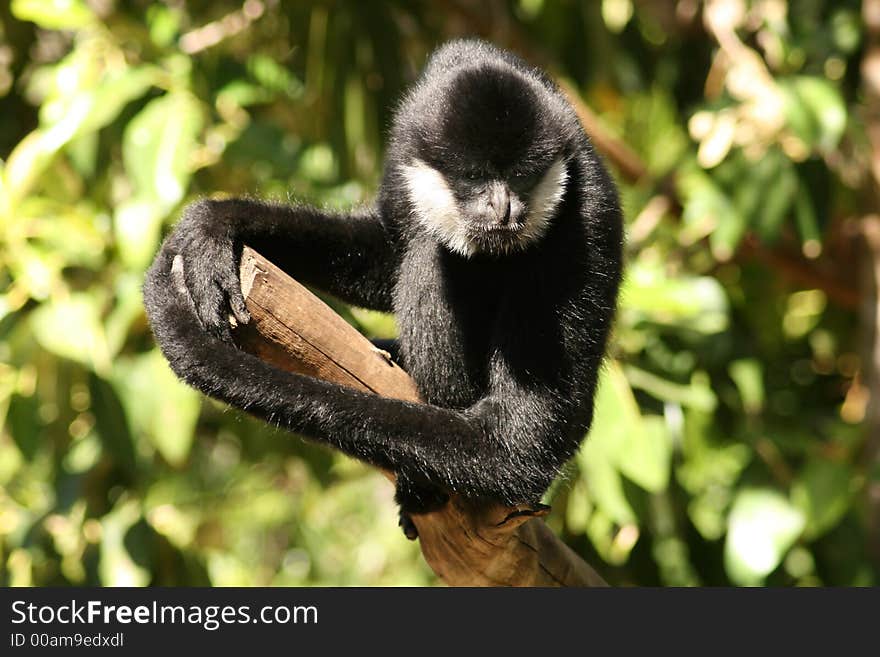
x: 210, y: 272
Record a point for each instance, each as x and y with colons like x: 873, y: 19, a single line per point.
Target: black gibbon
x: 496, y: 239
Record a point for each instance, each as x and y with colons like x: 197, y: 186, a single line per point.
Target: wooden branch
x: 292, y: 329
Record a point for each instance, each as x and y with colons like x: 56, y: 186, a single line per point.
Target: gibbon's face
x: 489, y: 173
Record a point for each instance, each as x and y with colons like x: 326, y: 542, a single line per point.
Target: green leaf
x: 616, y: 414
x: 53, y: 14
x: 375, y: 324
x: 129, y: 307
x: 26, y: 162
x: 621, y: 441
x: 644, y: 456
x: 808, y: 224
x: 604, y: 483
x: 776, y: 204
x: 709, y: 212
x: 823, y: 492
x: 709, y: 472
x: 697, y: 302
x: 578, y: 508
x: 846, y: 30
x: 762, y: 526
x: 22, y: 421
x: 157, y: 146
x: 116, y: 91
x: 240, y: 93
x: 116, y: 567
x: 70, y: 232
x: 164, y: 23
x: 827, y: 107
x: 698, y: 394
x: 747, y: 374
x: 137, y: 225
x: 815, y: 111
x: 72, y: 328
x: 273, y: 76
x: 750, y: 193
x: 111, y: 425
x: 158, y: 405
x: 69, y: 116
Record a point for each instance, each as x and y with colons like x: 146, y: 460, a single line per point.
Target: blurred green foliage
x: 727, y: 447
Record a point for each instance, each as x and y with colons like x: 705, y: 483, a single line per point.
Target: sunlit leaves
x: 696, y: 394
x: 80, y: 100
x: 762, y: 526
x: 116, y: 566
x: 71, y: 234
x: 375, y: 324
x: 53, y: 14
x: 823, y: 492
x: 622, y: 443
x: 774, y: 189
x: 747, y: 375
x: 157, y: 147
x: 650, y: 294
x: 158, y: 406
x: 815, y: 111
x: 274, y: 77
x: 709, y: 472
x: 72, y: 328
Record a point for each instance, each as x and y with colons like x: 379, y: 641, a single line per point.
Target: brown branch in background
x: 202, y: 38
x: 295, y: 331
x: 870, y: 271
x: 800, y: 271
x: 624, y: 159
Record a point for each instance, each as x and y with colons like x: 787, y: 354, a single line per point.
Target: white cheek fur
x: 546, y: 197
x: 437, y: 211
x: 435, y: 206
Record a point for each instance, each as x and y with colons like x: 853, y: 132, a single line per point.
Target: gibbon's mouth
x: 497, y: 239
x: 510, y: 229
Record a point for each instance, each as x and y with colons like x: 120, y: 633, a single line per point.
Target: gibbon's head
x: 486, y: 170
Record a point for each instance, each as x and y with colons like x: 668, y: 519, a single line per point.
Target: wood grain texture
x: 293, y: 330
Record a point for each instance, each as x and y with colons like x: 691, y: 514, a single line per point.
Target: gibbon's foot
x: 416, y: 497
x: 421, y: 497
x: 408, y: 526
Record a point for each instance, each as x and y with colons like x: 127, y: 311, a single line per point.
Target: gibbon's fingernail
x: 241, y: 313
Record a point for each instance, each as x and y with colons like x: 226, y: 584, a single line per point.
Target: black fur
x: 505, y: 345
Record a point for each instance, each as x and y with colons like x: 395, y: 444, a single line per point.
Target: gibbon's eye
x: 472, y: 174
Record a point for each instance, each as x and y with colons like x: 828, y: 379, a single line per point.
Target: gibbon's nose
x: 499, y: 204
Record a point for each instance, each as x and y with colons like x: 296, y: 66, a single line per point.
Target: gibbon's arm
x: 349, y: 256
x: 493, y: 450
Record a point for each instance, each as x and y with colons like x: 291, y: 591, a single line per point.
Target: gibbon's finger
x: 177, y: 268
x: 222, y: 328
x: 210, y: 309
x: 177, y: 275
x: 232, y: 288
